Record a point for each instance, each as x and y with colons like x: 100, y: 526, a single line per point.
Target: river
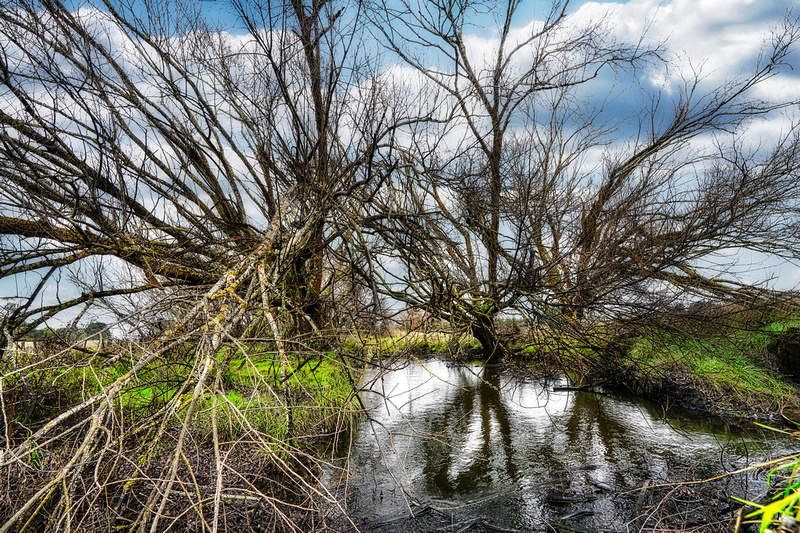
x: 477, y: 448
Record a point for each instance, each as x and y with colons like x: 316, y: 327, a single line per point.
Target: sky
x: 722, y: 39
x: 719, y: 38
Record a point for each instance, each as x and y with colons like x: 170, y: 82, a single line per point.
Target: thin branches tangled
x: 120, y: 460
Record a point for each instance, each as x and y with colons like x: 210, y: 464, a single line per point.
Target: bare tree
x: 504, y: 210
x: 487, y: 91
x: 170, y: 150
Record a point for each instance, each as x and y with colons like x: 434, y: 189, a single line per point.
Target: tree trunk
x: 493, y: 347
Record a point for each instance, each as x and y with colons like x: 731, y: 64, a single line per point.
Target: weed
x: 784, y: 510
x: 734, y: 366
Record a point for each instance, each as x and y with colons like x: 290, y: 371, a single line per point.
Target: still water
x: 472, y: 447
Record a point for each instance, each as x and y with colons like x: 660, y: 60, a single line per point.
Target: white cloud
x: 794, y: 276
x: 720, y: 37
x: 780, y: 89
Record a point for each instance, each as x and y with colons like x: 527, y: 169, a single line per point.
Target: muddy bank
x: 671, y: 385
x: 680, y: 393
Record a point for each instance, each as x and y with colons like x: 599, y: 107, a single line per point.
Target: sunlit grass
x: 411, y: 342
x: 257, y: 391
x: 733, y: 367
x: 784, y: 482
x: 263, y: 389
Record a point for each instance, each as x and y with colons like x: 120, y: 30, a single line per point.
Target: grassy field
x: 301, y: 397
x: 252, y: 423
x: 410, y: 342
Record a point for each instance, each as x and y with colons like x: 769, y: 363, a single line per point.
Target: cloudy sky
x: 722, y: 36
x: 721, y: 39
x: 717, y: 40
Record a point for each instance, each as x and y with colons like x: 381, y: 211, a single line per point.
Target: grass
x: 412, y: 342
x: 257, y: 386
x: 784, y: 482
x: 257, y: 426
x: 254, y: 394
x: 732, y: 368
x: 316, y: 389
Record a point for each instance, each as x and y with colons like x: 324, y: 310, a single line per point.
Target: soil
x: 677, y: 391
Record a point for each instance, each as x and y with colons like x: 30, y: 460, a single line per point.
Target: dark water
x: 475, y: 446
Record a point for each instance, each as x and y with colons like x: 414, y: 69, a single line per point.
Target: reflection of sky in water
x: 468, y: 433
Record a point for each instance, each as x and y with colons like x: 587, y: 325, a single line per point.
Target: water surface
x: 474, y: 443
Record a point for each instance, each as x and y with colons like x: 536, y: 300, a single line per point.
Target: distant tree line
x: 95, y: 330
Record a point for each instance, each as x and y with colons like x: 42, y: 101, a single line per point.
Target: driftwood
x: 466, y: 525
x: 578, y: 514
x: 573, y: 388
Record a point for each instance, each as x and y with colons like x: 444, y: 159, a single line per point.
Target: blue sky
x: 719, y: 38
x: 722, y: 39
x: 716, y: 40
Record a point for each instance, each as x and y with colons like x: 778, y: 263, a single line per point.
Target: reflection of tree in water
x: 475, y: 411
x: 594, y: 435
x: 465, y: 403
x: 589, y: 429
x: 517, y: 462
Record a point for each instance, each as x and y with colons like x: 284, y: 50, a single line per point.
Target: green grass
x: 254, y: 394
x: 317, y: 388
x: 784, y: 482
x: 733, y: 367
x: 412, y: 343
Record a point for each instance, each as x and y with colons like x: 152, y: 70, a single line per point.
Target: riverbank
x: 734, y: 373
x: 263, y: 427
